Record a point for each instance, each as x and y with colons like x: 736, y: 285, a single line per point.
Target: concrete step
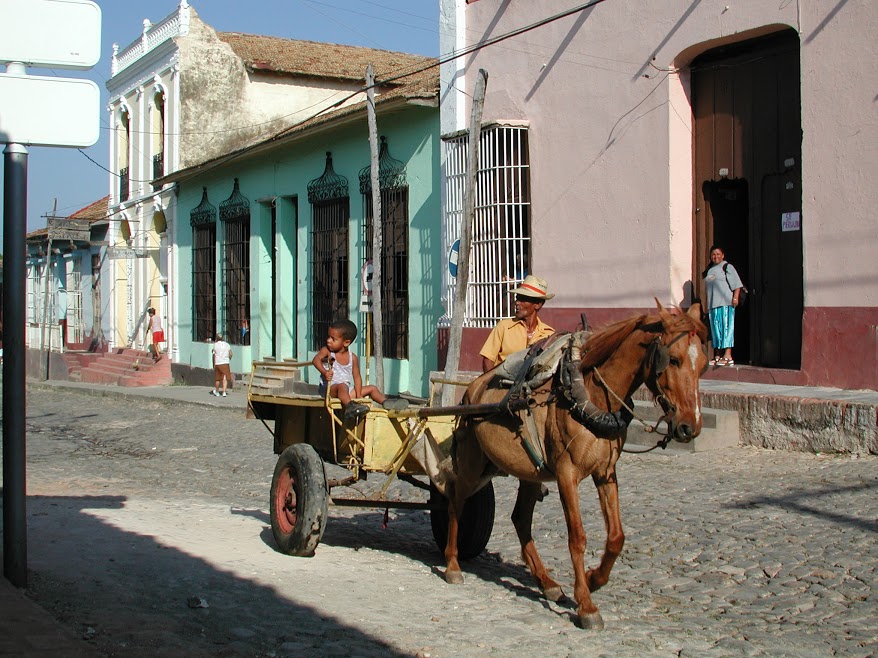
x: 719, y: 429
x: 808, y: 419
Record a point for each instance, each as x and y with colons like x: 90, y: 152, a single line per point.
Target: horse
x: 664, y: 351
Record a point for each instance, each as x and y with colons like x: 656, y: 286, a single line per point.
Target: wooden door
x: 747, y: 106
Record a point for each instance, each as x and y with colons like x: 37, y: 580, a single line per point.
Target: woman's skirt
x: 722, y: 327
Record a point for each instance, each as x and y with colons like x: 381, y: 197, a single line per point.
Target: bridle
x: 658, y: 358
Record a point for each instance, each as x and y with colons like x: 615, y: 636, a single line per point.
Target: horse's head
x: 676, y: 358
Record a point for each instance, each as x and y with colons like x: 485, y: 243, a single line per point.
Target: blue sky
x: 68, y: 176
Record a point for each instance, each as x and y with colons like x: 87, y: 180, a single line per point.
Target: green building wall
x: 281, y: 177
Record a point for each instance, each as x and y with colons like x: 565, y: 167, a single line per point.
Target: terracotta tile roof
x: 422, y: 86
x: 320, y: 60
x: 93, y: 212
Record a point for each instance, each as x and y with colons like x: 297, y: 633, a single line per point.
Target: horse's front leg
x: 608, y: 493
x: 587, y: 613
x: 522, y: 519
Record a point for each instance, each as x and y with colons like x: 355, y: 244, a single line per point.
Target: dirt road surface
x: 149, y: 535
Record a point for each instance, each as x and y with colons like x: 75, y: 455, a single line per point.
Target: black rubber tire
x: 299, y: 500
x: 476, y: 524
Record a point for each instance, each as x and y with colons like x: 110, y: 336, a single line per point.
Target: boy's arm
x: 317, y: 362
x: 358, y: 381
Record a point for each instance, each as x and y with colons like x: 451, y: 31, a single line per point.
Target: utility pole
x: 44, y: 348
x: 452, y: 361
x: 377, y: 233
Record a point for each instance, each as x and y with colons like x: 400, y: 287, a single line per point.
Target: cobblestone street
x: 149, y: 535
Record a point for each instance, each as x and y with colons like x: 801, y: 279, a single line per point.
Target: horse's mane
x: 602, y: 343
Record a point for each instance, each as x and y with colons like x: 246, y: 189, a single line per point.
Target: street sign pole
x: 14, y: 412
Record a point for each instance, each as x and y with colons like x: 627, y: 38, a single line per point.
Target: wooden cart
x: 310, y: 432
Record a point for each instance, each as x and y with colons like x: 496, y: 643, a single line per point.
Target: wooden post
x: 44, y: 347
x: 377, y: 237
x: 466, y: 223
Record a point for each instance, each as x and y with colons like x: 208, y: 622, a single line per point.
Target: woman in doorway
x: 723, y: 293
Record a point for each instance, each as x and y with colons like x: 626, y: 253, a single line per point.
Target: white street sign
x: 125, y: 253
x: 42, y: 111
x: 366, y: 277
x: 58, y: 34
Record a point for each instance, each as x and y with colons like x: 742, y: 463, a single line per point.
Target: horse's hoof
x: 592, y: 621
x: 453, y: 577
x: 553, y: 594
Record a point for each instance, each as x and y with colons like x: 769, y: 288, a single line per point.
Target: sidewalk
x: 236, y: 399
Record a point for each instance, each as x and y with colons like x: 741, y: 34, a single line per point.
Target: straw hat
x: 533, y: 286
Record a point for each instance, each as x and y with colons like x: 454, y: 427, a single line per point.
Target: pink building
x: 623, y: 139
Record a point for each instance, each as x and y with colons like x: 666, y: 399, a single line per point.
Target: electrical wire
x: 404, y: 73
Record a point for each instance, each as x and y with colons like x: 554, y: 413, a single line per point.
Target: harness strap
x: 603, y: 424
x: 533, y: 442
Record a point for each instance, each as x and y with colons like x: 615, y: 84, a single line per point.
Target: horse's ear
x: 694, y: 311
x: 664, y: 314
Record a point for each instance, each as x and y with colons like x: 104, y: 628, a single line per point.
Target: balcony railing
x: 123, y: 184
x: 158, y: 165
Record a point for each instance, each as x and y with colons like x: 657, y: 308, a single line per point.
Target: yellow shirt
x: 510, y: 336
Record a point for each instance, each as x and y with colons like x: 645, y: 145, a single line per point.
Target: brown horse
x: 664, y: 351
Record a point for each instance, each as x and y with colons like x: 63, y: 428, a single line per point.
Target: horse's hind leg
x: 469, y: 465
x: 522, y: 519
x: 453, y: 574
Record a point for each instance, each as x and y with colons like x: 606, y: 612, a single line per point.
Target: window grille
x: 124, y: 157
x: 330, y: 222
x: 96, y: 305
x: 75, y: 327
x: 158, y: 136
x: 35, y: 293
x: 41, y: 303
x: 234, y: 213
x: 158, y: 165
x: 203, y: 222
x: 501, y: 235
x: 124, y: 184
x: 394, y: 261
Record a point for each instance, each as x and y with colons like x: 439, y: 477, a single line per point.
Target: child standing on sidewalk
x: 222, y: 356
x: 339, y: 369
x: 154, y: 324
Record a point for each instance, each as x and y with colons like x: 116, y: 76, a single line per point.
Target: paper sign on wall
x: 791, y: 221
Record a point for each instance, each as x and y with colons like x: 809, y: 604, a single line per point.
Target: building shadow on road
x: 812, y: 503
x: 138, y: 594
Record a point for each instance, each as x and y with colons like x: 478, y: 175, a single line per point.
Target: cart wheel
x: 475, y: 525
x: 298, y: 500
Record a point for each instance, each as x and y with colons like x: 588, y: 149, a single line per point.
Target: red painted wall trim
x: 839, y: 346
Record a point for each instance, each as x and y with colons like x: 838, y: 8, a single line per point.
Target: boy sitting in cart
x: 339, y: 370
